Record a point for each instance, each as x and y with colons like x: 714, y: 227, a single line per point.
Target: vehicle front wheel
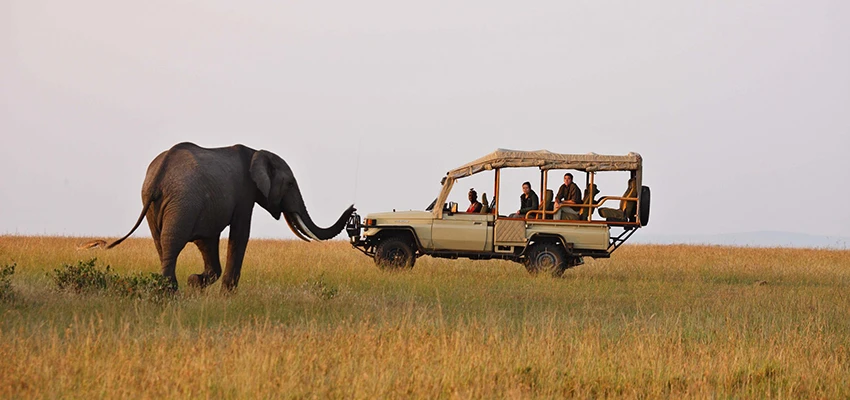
x: 546, y: 257
x: 394, y: 254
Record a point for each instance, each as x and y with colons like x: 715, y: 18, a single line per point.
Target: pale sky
x: 741, y: 110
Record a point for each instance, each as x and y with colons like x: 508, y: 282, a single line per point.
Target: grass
x: 320, y: 320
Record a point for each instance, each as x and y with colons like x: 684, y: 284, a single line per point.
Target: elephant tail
x: 149, y: 188
x: 138, y: 222
x: 92, y: 244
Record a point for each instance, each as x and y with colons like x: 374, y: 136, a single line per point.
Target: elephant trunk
x: 304, y: 227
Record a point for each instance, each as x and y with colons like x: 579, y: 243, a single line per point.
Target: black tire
x: 394, y: 254
x: 644, y: 205
x: 548, y: 258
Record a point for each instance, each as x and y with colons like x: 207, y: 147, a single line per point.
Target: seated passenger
x: 528, y: 201
x: 568, y: 193
x: 474, y: 204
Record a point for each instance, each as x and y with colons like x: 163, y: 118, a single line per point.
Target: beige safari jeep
x: 540, y: 239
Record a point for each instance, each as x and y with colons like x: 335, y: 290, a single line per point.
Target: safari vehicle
x: 536, y: 239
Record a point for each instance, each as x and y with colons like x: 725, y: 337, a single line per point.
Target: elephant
x: 191, y: 193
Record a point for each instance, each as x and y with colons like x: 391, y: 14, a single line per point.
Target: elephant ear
x: 260, y: 172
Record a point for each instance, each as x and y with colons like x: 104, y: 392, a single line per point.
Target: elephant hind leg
x: 155, y: 231
x: 212, y: 263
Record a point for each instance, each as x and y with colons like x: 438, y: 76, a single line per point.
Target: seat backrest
x: 589, y: 198
x: 629, y: 207
x: 485, y: 206
x: 548, y: 203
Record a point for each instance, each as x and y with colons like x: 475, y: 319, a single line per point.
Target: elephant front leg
x: 239, y: 233
x: 212, y: 264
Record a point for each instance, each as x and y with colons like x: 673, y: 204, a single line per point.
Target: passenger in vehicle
x: 474, y: 204
x: 528, y: 201
x: 568, y: 193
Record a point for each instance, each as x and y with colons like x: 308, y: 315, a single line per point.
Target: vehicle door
x: 460, y: 231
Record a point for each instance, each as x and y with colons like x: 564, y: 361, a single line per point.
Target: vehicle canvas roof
x: 545, y: 159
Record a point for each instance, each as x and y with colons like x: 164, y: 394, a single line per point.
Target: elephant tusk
x: 304, y: 228
x: 293, y: 228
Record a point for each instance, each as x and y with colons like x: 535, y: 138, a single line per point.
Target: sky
x: 741, y: 110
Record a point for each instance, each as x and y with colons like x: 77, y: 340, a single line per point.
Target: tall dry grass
x: 320, y: 320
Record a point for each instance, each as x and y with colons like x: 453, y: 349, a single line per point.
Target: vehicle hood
x: 400, y: 216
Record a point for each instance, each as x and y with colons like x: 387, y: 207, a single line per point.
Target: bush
x: 320, y: 288
x: 85, y: 277
x: 149, y: 286
x: 6, y: 273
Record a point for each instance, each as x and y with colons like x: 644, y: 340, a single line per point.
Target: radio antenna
x: 357, y: 169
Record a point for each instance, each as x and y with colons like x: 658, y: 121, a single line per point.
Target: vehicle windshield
x: 482, y: 183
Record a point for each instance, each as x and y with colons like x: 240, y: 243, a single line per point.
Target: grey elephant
x: 191, y: 194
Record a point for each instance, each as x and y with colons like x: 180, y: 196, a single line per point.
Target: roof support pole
x: 496, y: 191
x: 590, y: 176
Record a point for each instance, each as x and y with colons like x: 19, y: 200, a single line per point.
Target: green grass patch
x: 86, y: 277
x: 6, y: 273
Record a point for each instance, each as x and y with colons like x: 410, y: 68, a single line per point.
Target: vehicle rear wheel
x: 394, y: 254
x: 548, y: 258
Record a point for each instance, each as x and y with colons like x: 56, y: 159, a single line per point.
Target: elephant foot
x: 195, y: 281
x: 171, y: 282
x: 228, y: 288
x: 200, y: 281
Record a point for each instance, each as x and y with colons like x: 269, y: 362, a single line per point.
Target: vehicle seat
x: 548, y: 203
x: 485, y: 206
x: 589, y: 198
x: 628, y: 208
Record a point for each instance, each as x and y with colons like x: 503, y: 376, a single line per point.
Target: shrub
x: 85, y: 277
x: 6, y: 273
x: 82, y: 277
x: 140, y: 285
x: 320, y: 288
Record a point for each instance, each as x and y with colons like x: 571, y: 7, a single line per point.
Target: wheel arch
x: 405, y: 233
x: 548, y: 238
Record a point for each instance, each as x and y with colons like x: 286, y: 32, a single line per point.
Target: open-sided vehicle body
x: 535, y: 239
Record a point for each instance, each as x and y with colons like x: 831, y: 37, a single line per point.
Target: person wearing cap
x: 474, y: 204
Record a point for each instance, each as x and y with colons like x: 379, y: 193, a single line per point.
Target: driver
x: 474, y: 204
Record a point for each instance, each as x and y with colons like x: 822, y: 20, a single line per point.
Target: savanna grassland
x: 319, y: 320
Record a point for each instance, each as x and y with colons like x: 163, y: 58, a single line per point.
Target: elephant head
x: 278, y: 193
